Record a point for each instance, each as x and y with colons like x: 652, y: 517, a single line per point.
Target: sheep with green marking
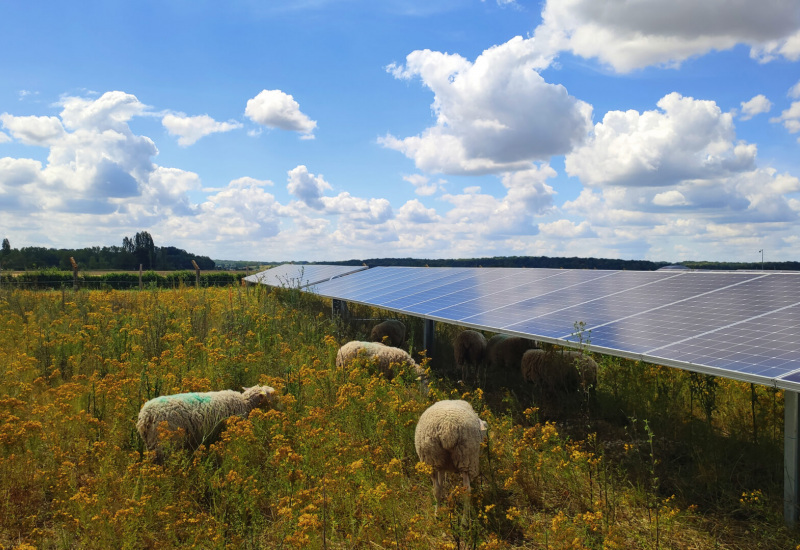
x: 195, y: 419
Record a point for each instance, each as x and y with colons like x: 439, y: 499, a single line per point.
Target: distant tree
x: 142, y: 247
x: 6, y: 250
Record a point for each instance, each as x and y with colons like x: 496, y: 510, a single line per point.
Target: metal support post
x: 791, y: 454
x: 339, y: 308
x: 428, y: 337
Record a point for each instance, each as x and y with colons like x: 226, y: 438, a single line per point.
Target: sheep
x: 392, y: 329
x: 505, y: 352
x: 448, y: 438
x: 200, y: 416
x: 384, y: 357
x: 561, y: 372
x: 469, y: 349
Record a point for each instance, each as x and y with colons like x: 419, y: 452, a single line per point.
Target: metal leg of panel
x: 428, y: 340
x: 791, y: 454
x: 339, y: 308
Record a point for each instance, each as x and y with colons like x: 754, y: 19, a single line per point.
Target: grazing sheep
x: 469, y: 349
x: 392, y: 329
x: 448, y: 437
x: 558, y: 372
x: 384, y: 357
x: 201, y: 416
x: 505, y: 352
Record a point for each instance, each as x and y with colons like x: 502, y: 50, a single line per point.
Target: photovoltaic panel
x: 744, y: 325
x: 301, y: 275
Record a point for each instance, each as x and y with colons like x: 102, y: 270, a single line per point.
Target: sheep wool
x: 199, y: 416
x: 383, y: 356
x: 505, y: 352
x: 448, y: 437
x: 469, y: 350
x: 559, y: 372
x: 392, y: 329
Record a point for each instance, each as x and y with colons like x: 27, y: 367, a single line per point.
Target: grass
x: 656, y: 458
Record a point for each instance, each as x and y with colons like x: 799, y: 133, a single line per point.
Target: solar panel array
x: 301, y: 275
x: 742, y: 325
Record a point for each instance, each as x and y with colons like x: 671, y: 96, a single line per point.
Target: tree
x: 145, y: 248
x: 6, y: 250
x: 142, y: 247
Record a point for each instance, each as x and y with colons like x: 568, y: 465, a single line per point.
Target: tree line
x: 135, y: 251
x: 568, y: 263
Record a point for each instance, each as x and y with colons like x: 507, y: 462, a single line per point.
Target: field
x: 651, y: 458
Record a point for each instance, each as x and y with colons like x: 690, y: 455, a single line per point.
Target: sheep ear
x: 245, y: 388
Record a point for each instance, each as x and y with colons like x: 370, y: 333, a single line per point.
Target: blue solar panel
x: 300, y: 275
x: 743, y: 325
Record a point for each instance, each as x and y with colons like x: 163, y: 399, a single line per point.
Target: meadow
x: 651, y: 458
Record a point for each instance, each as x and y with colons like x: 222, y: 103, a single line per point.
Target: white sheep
x: 392, y: 329
x: 558, y: 372
x: 448, y: 437
x: 199, y: 416
x: 383, y: 357
x: 469, y: 350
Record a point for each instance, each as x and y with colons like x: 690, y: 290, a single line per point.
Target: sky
x: 325, y: 130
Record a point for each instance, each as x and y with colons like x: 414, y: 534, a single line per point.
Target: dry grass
x: 336, y: 468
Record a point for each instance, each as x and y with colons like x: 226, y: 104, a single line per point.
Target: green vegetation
x: 55, y: 279
x: 136, y: 251
x: 651, y: 458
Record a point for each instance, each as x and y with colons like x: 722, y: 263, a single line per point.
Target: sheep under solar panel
x: 743, y: 325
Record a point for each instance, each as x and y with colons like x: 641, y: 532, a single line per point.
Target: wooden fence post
x: 140, y: 277
x: 196, y: 274
x: 74, y: 273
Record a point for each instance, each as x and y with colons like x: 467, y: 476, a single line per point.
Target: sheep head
x: 261, y: 396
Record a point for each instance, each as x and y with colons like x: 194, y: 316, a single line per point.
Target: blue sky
x: 340, y: 129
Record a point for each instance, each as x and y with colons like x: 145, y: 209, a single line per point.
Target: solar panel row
x: 300, y: 275
x: 743, y: 325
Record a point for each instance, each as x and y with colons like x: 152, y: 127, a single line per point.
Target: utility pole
x: 762, y: 259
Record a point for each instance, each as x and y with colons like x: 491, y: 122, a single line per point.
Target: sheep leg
x: 437, y: 478
x: 467, y: 503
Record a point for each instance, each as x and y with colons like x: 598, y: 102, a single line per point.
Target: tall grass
x: 641, y: 467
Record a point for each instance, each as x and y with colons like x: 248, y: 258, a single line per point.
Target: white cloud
x: 4, y: 138
x: 757, y: 105
x: 242, y: 212
x: 189, y: 129
x: 794, y: 91
x: 307, y: 187
x: 111, y: 111
x: 673, y: 197
x: 276, y: 109
x: 788, y: 48
x: 685, y: 139
x: 414, y: 211
x: 33, y: 130
x: 631, y: 35
x: 790, y: 118
x: 566, y: 229
x: 423, y: 186
x: 494, y: 115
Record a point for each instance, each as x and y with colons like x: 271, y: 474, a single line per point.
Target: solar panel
x: 742, y: 325
x: 301, y: 275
